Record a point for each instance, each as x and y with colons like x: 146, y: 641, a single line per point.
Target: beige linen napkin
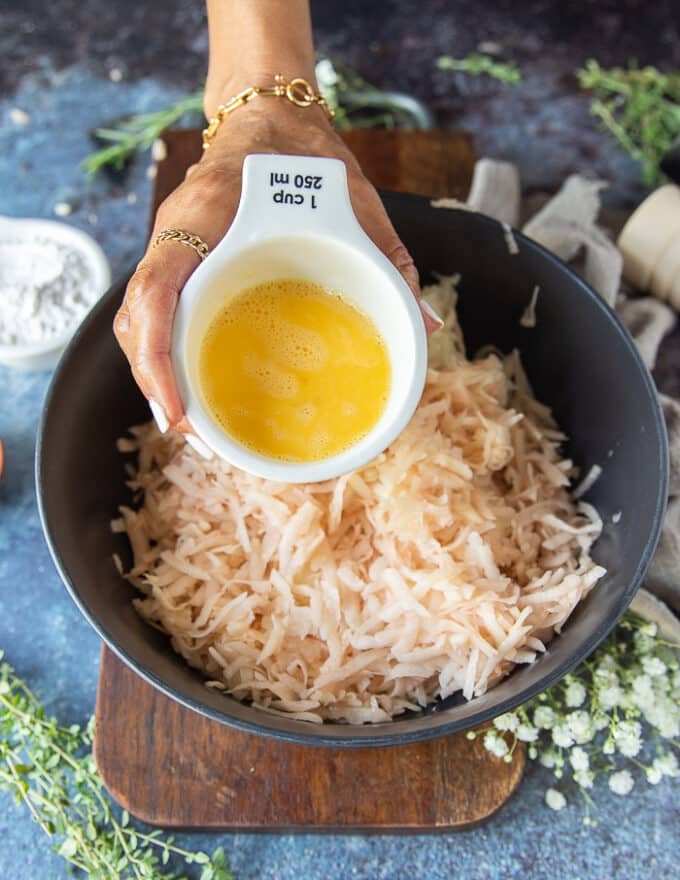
x: 567, y: 225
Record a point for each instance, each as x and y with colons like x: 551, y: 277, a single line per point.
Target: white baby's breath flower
x: 555, y: 799
x: 621, y: 782
x: 628, y: 746
x: 606, y: 667
x: 654, y: 666
x: 494, y: 743
x: 584, y: 778
x: 600, y: 721
x: 654, y: 775
x: 526, y: 733
x: 664, y: 714
x: 662, y: 684
x: 643, y: 689
x: 578, y: 758
x: 630, y: 683
x: 644, y: 641
x: 575, y: 694
x: 610, y: 696
x: 667, y: 764
x: 562, y: 736
x: 508, y: 721
x: 548, y: 759
x: 580, y: 725
x: 545, y: 718
x: 627, y: 738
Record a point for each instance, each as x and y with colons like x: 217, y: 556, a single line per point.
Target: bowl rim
x: 407, y: 730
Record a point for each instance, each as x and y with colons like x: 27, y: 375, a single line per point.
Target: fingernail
x: 427, y: 309
x: 122, y: 323
x: 199, y: 446
x: 159, y: 416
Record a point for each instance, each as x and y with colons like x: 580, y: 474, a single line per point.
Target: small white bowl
x: 295, y: 221
x: 44, y: 355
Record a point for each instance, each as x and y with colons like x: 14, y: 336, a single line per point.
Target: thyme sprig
x: 477, y: 64
x: 51, y: 770
x: 639, y: 107
x: 620, y: 703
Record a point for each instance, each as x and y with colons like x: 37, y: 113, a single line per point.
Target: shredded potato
x: 450, y: 558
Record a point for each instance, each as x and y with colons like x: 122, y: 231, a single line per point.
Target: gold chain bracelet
x: 298, y: 91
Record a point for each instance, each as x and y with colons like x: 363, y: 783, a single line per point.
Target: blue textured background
x: 55, y: 62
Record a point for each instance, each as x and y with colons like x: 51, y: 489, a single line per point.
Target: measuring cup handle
x: 290, y: 195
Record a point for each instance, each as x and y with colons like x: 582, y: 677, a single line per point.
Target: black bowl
x: 581, y: 361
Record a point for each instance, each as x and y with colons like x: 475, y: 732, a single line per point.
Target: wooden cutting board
x: 170, y: 766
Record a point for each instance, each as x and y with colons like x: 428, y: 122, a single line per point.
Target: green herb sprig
x: 138, y: 132
x: 50, y: 769
x: 477, y: 64
x: 620, y: 703
x: 639, y: 107
x: 357, y: 104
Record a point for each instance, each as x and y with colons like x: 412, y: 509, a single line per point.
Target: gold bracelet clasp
x: 298, y: 91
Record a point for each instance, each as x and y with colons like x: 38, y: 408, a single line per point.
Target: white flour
x: 45, y: 289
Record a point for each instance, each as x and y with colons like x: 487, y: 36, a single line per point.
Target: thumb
x: 373, y: 218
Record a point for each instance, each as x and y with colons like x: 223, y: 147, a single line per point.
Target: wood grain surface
x: 172, y: 767
x: 429, y: 163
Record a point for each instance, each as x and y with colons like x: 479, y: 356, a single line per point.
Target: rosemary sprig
x: 357, y: 104
x: 137, y: 133
x: 639, y: 107
x: 477, y: 64
x: 51, y: 770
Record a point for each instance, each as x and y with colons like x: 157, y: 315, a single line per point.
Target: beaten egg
x: 293, y: 371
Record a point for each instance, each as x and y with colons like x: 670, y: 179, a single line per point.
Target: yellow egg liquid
x: 293, y: 371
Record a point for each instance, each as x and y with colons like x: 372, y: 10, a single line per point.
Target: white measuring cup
x: 295, y: 221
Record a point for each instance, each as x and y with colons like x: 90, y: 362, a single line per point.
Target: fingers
x: 205, y: 206
x: 143, y: 326
x: 373, y: 218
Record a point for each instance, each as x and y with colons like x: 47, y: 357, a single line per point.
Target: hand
x: 205, y: 204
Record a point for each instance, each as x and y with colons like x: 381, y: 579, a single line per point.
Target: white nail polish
x: 159, y: 416
x: 199, y: 446
x: 430, y: 312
